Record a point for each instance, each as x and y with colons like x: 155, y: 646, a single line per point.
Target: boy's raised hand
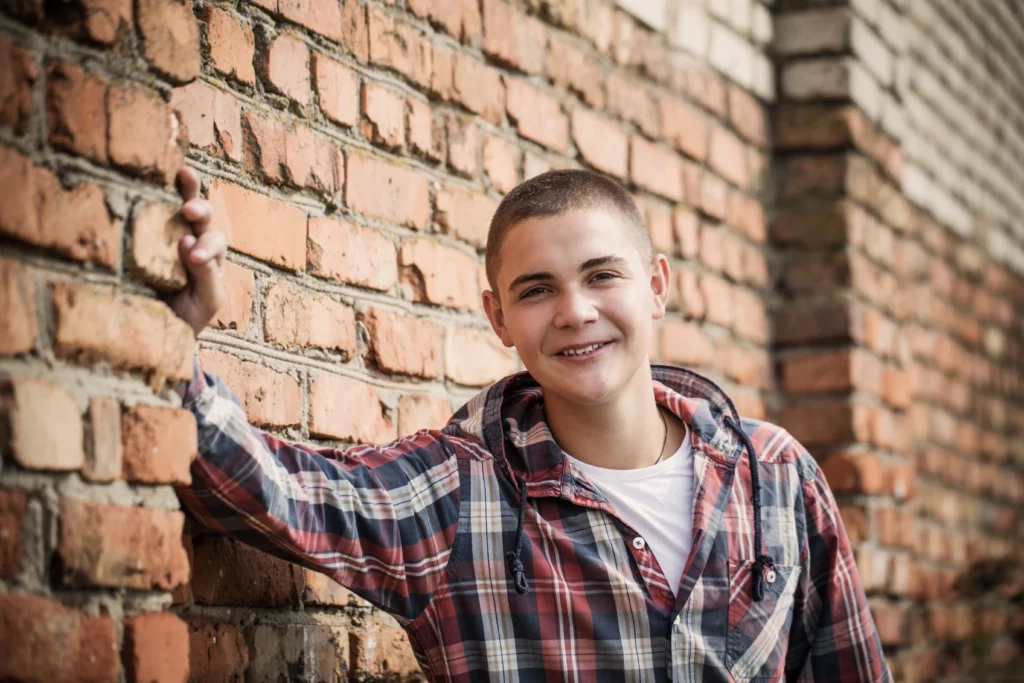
x: 203, y: 255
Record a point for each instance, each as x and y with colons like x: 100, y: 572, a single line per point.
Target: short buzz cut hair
x: 555, y: 193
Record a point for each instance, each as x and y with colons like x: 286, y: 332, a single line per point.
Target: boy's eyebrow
x: 611, y: 259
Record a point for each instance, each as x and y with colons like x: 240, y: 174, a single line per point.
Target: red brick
x: 655, y: 169
x: 686, y: 226
x: 227, y: 572
x: 231, y: 45
x: 270, y: 398
x: 601, y: 143
x: 287, y: 68
x: 691, y: 298
x: 399, y: 46
x: 538, y: 116
x: 442, y: 83
x: 718, y: 296
x: 43, y: 425
x: 403, y: 345
x: 816, y: 126
x: 421, y: 129
x: 238, y: 291
x: 18, y: 73
x: 18, y: 318
x: 75, y: 110
x: 279, y: 651
x: 102, y: 21
x: 479, y: 88
x: 820, y: 423
x: 748, y: 366
x: 217, y: 652
x: 439, y: 275
x: 512, y: 38
x: 346, y: 409
x: 711, y: 252
x: 477, y: 357
x: 380, y: 650
x: 750, y: 320
x: 891, y: 623
x: 685, y: 343
x: 119, y: 547
x: 358, y: 256
x: 104, y: 458
x: 707, y: 89
x: 170, y: 38
x: 685, y: 127
x: 156, y: 648
x: 383, y: 116
x: 732, y: 252
x: 74, y: 222
x: 728, y: 157
x: 297, y: 318
x: 321, y: 590
x: 693, y: 181
x: 212, y: 117
x: 321, y: 16
x: 12, y: 514
x: 466, y: 215
x: 460, y: 18
x: 420, y: 411
x: 463, y: 143
x: 390, y: 192
x: 747, y: 215
x: 146, y: 135
x: 659, y: 226
x: 535, y: 165
x: 819, y: 372
x: 501, y: 163
x: 157, y: 228
x: 849, y: 472
x: 297, y: 156
x: 570, y: 69
x: 338, y: 88
x: 159, y: 445
x: 747, y: 115
x: 354, y: 29
x: 267, y: 229
x: 45, y: 641
x: 632, y: 102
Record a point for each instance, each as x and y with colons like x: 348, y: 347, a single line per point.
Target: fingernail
x: 200, y: 254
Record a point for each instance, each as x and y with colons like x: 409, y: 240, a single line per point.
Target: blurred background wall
x: 837, y: 184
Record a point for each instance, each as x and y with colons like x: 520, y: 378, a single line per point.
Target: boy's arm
x: 379, y: 520
x: 833, y: 637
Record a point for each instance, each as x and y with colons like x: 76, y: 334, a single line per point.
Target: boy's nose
x: 574, y: 310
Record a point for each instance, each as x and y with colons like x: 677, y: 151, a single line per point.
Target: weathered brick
x: 728, y: 157
x: 748, y: 116
x: 217, y: 652
x: 212, y: 117
x: 686, y: 226
x: 442, y: 83
x: 822, y: 423
x: 718, y: 295
x: 346, y: 409
x: 296, y: 318
x: 466, y: 215
x: 655, y: 169
x: 570, y: 69
x: 119, y: 547
x: 104, y: 457
x: 711, y: 252
x: 18, y: 73
x: 267, y: 229
x: 322, y: 590
x: 45, y: 641
x: 383, y: 116
x: 463, y: 142
x: 601, y: 143
x: 420, y: 411
x: 632, y: 102
x: 156, y: 648
x: 232, y: 45
x: 684, y: 126
x: 76, y: 113
x: 236, y: 312
x: 320, y: 653
x: 386, y: 191
x: 159, y: 445
x: 287, y: 68
x: 479, y: 88
x: 659, y: 226
x: 146, y: 135
x: 103, y: 21
x: 44, y: 425
x: 73, y: 222
x: 354, y: 29
x: 708, y: 89
x: 714, y: 196
x: 321, y: 16
x: 685, y: 343
x: 691, y: 298
x: 270, y: 398
x: 12, y: 515
x: 439, y: 275
x: 157, y: 228
x: 294, y: 155
x: 170, y: 37
x: 512, y: 38
x: 338, y: 88
x: 227, y: 572
x: 501, y: 163
x: 399, y: 46
x: 404, y: 345
x: 380, y: 650
x: 747, y: 214
x: 750, y: 320
x: 477, y: 357
x: 460, y: 18
x: 341, y: 251
x: 422, y: 137
x: 18, y: 317
x: 849, y: 472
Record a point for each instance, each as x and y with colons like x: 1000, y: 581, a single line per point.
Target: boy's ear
x: 492, y: 307
x: 660, y: 283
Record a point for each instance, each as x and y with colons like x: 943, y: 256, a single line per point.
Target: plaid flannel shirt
x: 431, y: 527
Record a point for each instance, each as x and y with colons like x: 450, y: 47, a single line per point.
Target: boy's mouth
x: 579, y: 351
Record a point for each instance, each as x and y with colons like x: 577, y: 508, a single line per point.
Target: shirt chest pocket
x: 758, y: 631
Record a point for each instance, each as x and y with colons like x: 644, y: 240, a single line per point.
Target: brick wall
x: 354, y: 151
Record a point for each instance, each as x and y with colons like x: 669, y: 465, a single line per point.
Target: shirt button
x: 639, y: 543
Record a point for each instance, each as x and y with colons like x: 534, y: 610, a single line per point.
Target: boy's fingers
x: 209, y: 247
x: 199, y: 213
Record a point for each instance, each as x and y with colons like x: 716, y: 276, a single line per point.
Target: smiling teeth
x: 580, y: 352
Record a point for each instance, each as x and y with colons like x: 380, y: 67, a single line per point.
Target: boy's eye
x: 533, y: 291
x: 604, y: 275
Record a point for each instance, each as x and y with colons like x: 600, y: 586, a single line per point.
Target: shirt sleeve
x: 379, y: 520
x: 833, y: 638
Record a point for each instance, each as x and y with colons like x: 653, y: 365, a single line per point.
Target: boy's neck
x: 625, y: 433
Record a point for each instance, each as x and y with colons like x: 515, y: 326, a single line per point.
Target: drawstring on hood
x: 763, y: 560
x: 514, y: 564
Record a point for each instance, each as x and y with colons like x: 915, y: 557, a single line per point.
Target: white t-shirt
x: 657, y: 501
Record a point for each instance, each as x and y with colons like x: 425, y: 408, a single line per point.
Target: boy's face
x: 577, y: 300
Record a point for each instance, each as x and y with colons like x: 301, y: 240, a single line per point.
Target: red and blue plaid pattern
x: 422, y: 526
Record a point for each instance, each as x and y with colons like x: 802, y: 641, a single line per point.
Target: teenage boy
x: 595, y: 518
